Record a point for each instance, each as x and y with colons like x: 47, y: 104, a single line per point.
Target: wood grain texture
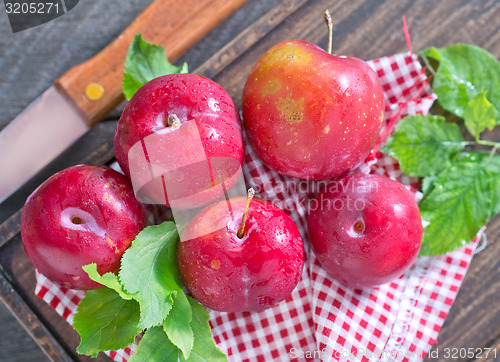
x: 35, y: 328
x: 10, y: 227
x: 474, y: 320
x: 492, y: 353
x: 247, y: 38
x: 367, y: 29
x: 23, y: 281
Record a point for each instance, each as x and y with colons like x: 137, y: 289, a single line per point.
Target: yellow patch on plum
x: 108, y: 197
x: 291, y: 110
x: 112, y: 244
x: 215, y: 264
x: 326, y: 130
x: 271, y: 87
x: 288, y: 53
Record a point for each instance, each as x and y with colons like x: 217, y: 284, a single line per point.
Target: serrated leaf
x: 428, y: 184
x: 149, y: 272
x: 490, y: 163
x: 155, y: 345
x: 105, y: 321
x: 204, y: 348
x: 109, y: 280
x: 464, y: 71
x: 479, y: 115
x: 144, y: 62
x: 177, y: 325
x: 460, y: 203
x: 495, y: 198
x: 482, y: 159
x: 423, y: 145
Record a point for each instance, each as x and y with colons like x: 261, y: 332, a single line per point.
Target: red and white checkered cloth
x: 323, y: 320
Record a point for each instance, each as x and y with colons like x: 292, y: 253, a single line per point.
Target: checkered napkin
x: 323, y: 320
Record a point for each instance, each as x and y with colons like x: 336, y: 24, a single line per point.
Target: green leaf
x: 149, y: 272
x: 481, y: 159
x: 183, y: 68
x: 423, y: 145
x: 462, y: 200
x: 464, y: 71
x: 204, y: 348
x: 155, y: 345
x: 428, y: 184
x: 144, y: 62
x: 105, y: 321
x: 489, y: 162
x: 149, y: 275
x: 109, y: 280
x: 177, y: 325
x: 479, y: 115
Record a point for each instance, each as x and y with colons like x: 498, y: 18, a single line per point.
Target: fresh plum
x: 365, y: 230
x: 310, y: 114
x: 184, y: 121
x: 232, y: 274
x: 81, y: 215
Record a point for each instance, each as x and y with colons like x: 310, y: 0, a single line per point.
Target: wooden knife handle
x: 174, y: 24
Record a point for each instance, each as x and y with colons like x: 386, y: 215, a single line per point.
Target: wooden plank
x: 10, y: 227
x: 369, y: 29
x: 32, y: 324
x: 474, y: 320
x: 22, y: 274
x: 249, y: 37
x: 491, y: 353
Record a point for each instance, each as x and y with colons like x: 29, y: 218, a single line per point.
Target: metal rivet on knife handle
x: 94, y: 91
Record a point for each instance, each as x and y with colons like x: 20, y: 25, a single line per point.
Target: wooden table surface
x: 31, y: 60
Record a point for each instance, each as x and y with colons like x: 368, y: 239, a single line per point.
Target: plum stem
x: 329, y: 23
x: 488, y: 143
x: 241, y: 230
x: 173, y: 121
x: 359, y: 226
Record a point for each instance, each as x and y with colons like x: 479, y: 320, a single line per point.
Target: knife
x: 87, y: 92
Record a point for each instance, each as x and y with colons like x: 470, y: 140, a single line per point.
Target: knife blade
x: 48, y: 114
x: 63, y: 113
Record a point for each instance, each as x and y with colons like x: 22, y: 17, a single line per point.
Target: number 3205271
x: 32, y: 8
x: 479, y: 353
